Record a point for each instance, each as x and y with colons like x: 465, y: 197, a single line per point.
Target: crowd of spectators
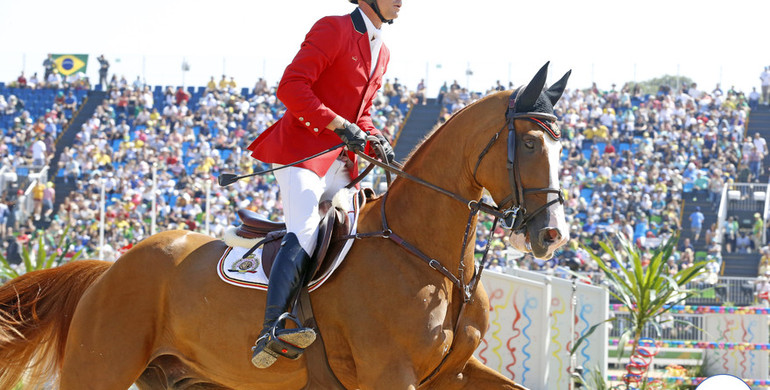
x: 187, y: 138
x: 32, y: 116
x: 628, y: 158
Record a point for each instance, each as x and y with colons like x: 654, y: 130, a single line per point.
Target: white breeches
x: 301, y: 192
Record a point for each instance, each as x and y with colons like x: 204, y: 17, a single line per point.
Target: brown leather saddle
x: 334, y: 225
x: 333, y: 229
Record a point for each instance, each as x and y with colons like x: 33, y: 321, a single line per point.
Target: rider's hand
x: 352, y: 136
x: 389, y: 154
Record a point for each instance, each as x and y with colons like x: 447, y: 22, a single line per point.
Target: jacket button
x: 316, y: 129
x: 301, y: 119
x: 307, y: 123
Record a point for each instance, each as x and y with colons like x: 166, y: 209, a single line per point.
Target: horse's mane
x: 429, y: 137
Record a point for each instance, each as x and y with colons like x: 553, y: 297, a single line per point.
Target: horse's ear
x: 555, y: 91
x: 534, y: 88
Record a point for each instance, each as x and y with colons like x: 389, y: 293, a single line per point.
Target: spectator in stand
x: 104, y: 68
x: 21, y: 81
x: 762, y: 289
x: 754, y: 98
x: 4, y: 212
x: 715, y: 185
x: 765, y: 80
x: 49, y: 196
x: 54, y: 79
x: 38, y: 152
x: 764, y: 261
x: 420, y: 94
x: 181, y: 96
x: 138, y: 83
x: 48, y: 66
x: 758, y: 230
x: 743, y: 243
x: 441, y: 93
x: 34, y: 81
x: 70, y: 102
x: 761, y: 144
x: 260, y: 88
x: 696, y: 223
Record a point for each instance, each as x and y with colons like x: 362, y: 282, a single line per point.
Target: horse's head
x: 528, y: 190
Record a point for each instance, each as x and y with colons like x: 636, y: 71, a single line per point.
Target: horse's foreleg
x: 396, y: 375
x: 475, y: 376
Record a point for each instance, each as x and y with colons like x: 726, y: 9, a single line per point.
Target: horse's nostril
x: 551, y: 235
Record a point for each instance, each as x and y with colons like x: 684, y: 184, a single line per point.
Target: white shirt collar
x: 374, y: 32
x: 375, y: 41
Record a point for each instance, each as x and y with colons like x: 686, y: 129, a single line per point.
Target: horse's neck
x: 433, y: 222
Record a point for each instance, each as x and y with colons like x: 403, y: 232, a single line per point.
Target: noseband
x: 516, y: 217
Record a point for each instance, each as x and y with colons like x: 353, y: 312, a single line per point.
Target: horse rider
x: 328, y: 90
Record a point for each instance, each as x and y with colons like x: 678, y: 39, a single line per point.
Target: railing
x: 721, y: 216
x: 745, y: 196
x: 678, y: 326
x: 765, y: 216
x: 734, y: 291
x: 3, y: 171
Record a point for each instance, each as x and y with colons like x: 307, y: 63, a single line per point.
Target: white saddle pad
x: 232, y: 268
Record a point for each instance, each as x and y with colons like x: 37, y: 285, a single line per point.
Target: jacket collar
x: 358, y: 21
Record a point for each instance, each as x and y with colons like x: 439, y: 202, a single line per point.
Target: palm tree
x: 40, y: 259
x: 646, y: 290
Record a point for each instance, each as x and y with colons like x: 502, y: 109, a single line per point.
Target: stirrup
x: 289, y: 343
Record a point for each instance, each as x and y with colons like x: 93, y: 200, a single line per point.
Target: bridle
x: 515, y: 217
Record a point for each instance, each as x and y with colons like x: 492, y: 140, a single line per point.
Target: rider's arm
x: 295, y: 89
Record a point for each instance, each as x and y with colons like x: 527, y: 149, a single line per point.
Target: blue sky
x: 602, y: 41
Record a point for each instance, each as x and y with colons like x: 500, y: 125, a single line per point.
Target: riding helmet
x: 373, y: 4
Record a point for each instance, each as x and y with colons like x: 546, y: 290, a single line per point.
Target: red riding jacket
x: 329, y: 76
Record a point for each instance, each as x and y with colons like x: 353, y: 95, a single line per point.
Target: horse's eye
x: 529, y: 144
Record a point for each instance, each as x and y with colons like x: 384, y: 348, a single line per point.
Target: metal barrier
x: 686, y: 327
x: 728, y: 290
x: 721, y: 216
x: 3, y: 171
x: 731, y: 291
x: 765, y: 216
x: 746, y: 196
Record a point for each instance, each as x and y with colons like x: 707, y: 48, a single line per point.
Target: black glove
x: 389, y: 155
x: 352, y: 136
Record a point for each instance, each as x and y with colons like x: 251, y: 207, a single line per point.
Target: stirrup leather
x: 289, y: 343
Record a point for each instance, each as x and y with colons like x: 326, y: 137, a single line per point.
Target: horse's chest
x: 437, y: 325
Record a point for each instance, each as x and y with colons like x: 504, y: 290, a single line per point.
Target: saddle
x: 333, y: 227
x: 334, y: 232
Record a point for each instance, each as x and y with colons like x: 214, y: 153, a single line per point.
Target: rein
x: 513, y: 218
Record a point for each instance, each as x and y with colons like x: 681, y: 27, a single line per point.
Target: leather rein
x: 513, y: 218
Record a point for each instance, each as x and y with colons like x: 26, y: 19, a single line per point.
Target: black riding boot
x: 288, y: 275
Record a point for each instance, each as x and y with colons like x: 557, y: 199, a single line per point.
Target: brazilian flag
x: 68, y: 64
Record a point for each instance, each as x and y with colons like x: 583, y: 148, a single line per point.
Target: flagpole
x: 102, y: 205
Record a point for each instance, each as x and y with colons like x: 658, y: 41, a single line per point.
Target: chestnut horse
x: 161, y: 318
